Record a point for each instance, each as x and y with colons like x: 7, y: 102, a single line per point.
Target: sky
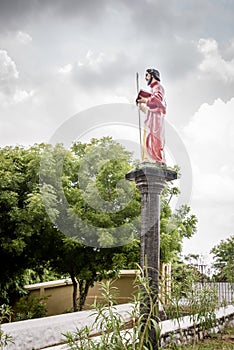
x: 60, y: 58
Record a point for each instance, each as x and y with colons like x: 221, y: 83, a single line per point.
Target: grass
x: 224, y: 341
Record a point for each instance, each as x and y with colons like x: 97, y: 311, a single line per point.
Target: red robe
x: 154, y: 123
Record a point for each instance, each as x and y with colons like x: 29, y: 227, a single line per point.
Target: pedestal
x: 150, y: 179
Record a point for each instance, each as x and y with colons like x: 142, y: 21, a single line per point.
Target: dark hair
x: 154, y: 72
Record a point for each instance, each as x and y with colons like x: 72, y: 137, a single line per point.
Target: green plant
x: 203, y: 303
x: 223, y: 340
x: 29, y: 307
x: 113, y: 331
x: 108, y: 324
x: 185, y: 298
x: 196, y: 300
x: 5, y: 316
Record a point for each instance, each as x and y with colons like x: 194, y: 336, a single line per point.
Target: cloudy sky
x: 59, y: 58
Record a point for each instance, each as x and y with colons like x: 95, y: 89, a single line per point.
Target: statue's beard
x: 150, y: 80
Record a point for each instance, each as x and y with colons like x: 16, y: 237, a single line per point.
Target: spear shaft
x: 139, y: 112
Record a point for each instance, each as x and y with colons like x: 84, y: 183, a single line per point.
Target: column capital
x: 151, y: 177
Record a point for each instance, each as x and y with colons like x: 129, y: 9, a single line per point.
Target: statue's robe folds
x: 154, y: 133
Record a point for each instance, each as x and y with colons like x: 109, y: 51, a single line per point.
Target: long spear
x: 139, y: 111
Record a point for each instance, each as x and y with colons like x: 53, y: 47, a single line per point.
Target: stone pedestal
x: 150, y: 179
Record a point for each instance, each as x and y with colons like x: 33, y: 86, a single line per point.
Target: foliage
x: 24, y: 224
x: 46, y: 274
x: 30, y: 215
x: 128, y: 257
x: 223, y: 260
x: 174, y: 226
x: 102, y: 215
x: 107, y: 203
x: 71, y: 212
x: 188, y: 297
x: 5, y: 316
x: 29, y: 307
x: 182, y: 269
x: 223, y: 340
x: 113, y: 331
x: 5, y: 313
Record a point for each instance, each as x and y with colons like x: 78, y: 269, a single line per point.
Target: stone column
x: 150, y: 179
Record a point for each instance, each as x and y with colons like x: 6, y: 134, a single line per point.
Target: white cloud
x: 213, y: 63
x: 9, y: 76
x: 209, y: 135
x: 66, y: 69
x: 124, y: 42
x: 209, y: 140
x: 21, y: 95
x: 91, y: 61
x: 23, y: 37
x: 10, y: 92
x: 8, y: 69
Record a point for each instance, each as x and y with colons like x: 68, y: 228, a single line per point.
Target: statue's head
x: 154, y: 73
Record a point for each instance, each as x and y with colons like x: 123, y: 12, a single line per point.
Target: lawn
x: 223, y: 341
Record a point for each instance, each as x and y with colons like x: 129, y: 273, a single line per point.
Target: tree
x: 72, y: 212
x: 109, y: 215
x: 223, y: 260
x: 22, y: 219
x: 38, y: 217
x: 85, y: 266
x: 174, y: 227
x: 103, y: 212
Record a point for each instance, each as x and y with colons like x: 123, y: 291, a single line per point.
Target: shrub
x: 29, y: 307
x: 5, y: 316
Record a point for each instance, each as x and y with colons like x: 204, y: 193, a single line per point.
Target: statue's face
x: 147, y: 76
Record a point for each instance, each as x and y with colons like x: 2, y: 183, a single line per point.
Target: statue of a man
x: 154, y: 105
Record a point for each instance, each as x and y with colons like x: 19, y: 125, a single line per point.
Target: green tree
x: 14, y: 187
x: 20, y: 205
x: 174, y: 227
x: 96, y: 198
x: 223, y: 260
x: 103, y: 213
x: 71, y: 212
x: 37, y: 217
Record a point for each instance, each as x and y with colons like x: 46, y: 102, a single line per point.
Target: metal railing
x: 225, y: 291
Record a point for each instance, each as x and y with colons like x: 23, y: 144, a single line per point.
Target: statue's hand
x: 142, y: 100
x: 142, y: 108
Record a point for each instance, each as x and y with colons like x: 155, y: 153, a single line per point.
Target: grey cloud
x: 8, y: 74
x: 179, y: 59
x: 213, y: 88
x: 16, y: 14
x: 110, y: 73
x: 194, y: 18
x: 89, y: 8
x: 157, y: 17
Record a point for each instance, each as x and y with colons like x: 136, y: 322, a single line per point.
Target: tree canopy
x: 174, y: 226
x: 72, y: 212
x: 223, y: 254
x: 23, y: 220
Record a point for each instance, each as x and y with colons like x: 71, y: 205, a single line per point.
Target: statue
x: 154, y: 106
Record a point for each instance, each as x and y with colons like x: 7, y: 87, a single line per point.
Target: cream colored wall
x: 60, y: 292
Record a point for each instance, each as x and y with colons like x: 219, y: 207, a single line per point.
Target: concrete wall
x: 48, y: 332
x: 60, y: 292
x: 187, y: 332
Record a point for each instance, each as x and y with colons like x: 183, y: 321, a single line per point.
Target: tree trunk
x: 74, y: 294
x: 83, y: 292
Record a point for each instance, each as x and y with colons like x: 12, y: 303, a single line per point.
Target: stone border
x: 47, y: 333
x: 185, y: 332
